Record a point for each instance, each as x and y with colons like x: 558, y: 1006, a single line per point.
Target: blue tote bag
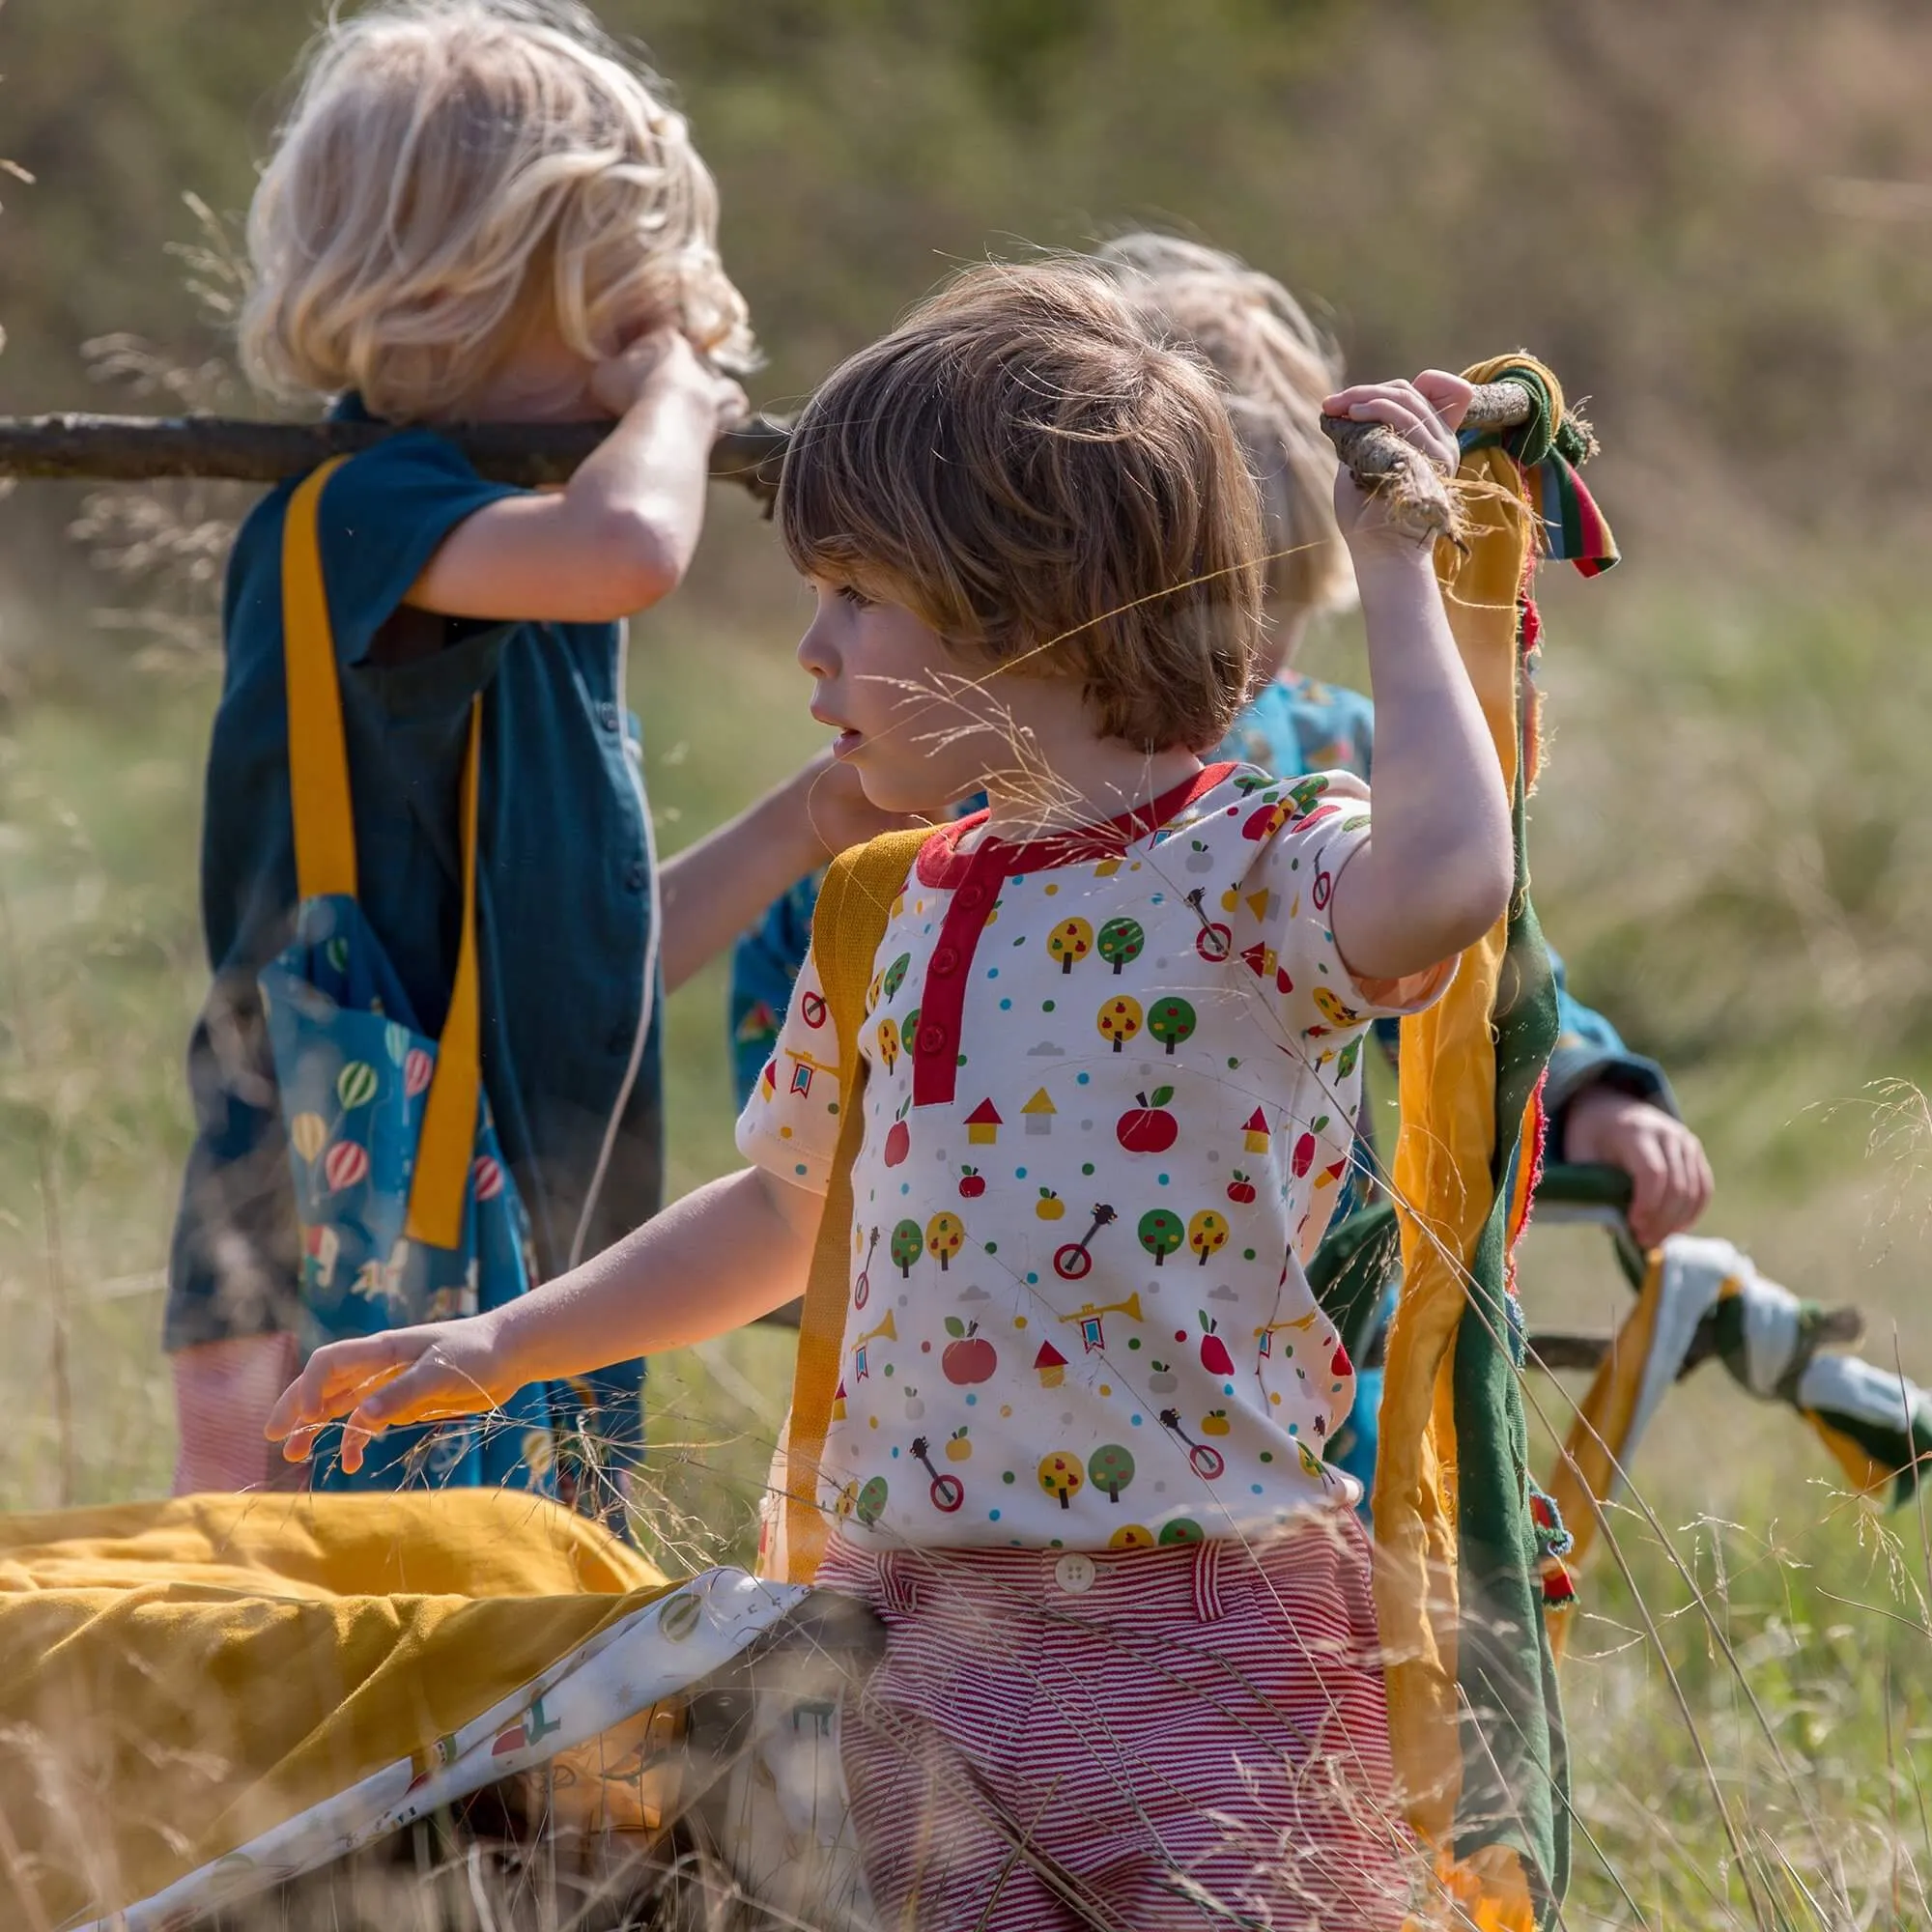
x: 408, y: 1210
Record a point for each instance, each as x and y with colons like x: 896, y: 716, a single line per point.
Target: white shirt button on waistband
x: 1074, y: 1573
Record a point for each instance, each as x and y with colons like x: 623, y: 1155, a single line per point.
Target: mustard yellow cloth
x: 176, y: 1678
x: 1445, y: 1195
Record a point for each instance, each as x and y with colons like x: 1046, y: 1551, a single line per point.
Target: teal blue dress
x: 570, y: 1033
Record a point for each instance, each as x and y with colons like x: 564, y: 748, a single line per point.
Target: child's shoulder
x: 380, y: 517
x: 1241, y: 804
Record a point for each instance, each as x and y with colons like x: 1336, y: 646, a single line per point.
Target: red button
x: 944, y: 961
x: 930, y: 1039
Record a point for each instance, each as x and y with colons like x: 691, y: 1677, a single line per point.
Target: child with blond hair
x: 1130, y: 1674
x: 475, y: 210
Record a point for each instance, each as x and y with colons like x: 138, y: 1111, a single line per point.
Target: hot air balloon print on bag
x: 404, y: 1195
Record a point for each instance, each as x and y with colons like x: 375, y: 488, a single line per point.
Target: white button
x: 1074, y: 1573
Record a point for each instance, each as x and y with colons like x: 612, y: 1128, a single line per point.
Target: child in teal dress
x: 474, y: 212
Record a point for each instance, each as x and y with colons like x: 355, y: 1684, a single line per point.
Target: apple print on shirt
x: 1111, y: 1083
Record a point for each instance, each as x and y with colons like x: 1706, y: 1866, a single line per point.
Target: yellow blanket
x: 175, y: 1678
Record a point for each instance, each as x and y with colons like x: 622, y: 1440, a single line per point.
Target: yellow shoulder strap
x: 318, y: 752
x: 325, y: 832
x: 847, y: 926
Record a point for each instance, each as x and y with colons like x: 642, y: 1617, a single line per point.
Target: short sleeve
x: 380, y: 517
x: 1314, y: 828
x: 790, y: 1125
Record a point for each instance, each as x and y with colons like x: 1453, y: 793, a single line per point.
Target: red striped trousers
x: 1183, y: 1737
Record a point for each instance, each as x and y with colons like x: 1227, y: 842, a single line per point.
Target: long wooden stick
x: 141, y: 449
x: 144, y: 449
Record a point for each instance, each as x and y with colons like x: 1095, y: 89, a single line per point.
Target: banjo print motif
x: 1110, y: 1081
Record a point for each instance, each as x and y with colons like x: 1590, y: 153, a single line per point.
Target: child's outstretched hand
x: 663, y: 359
x: 838, y: 811
x: 1425, y: 413
x: 386, y: 1382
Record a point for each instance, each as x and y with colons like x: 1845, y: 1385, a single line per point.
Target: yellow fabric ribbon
x: 1444, y: 1195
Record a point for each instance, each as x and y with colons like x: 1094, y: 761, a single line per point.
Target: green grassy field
x: 1766, y: 1647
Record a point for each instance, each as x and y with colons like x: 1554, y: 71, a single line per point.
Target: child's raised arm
x: 1437, y: 868
x: 621, y: 535
x: 725, y: 1254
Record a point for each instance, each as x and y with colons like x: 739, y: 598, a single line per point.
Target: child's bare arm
x: 731, y: 1251
x: 621, y: 535
x: 1437, y: 868
x: 716, y: 888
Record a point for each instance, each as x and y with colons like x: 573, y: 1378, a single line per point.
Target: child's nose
x: 816, y: 657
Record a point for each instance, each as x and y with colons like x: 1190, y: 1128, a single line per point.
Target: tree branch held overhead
x: 140, y: 449
x: 143, y: 449
x: 1417, y: 494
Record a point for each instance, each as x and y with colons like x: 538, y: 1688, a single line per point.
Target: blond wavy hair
x: 455, y: 172
x: 1277, y: 366
x: 1023, y: 466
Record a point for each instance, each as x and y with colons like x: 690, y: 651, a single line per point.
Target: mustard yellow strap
x: 848, y: 927
x: 318, y: 753
x: 449, y: 1138
x: 324, y: 829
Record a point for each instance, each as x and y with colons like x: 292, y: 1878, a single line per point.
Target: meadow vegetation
x: 1723, y: 239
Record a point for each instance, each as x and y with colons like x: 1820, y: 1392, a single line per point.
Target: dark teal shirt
x: 569, y: 1037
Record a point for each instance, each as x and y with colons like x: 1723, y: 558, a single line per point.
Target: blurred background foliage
x: 1716, y: 224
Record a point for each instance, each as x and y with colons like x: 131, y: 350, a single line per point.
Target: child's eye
x: 855, y: 597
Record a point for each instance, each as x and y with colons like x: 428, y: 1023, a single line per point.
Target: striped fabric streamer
x: 1574, y: 528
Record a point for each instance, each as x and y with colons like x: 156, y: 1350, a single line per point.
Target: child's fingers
x: 335, y: 1379
x: 1649, y: 1187
x: 1448, y: 395
x: 1355, y: 400
x: 1402, y: 409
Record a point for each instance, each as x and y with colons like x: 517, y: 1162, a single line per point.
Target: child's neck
x: 1083, y: 783
x: 540, y: 380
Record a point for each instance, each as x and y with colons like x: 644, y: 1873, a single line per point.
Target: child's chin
x: 896, y: 791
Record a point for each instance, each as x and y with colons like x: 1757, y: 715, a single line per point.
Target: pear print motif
x: 1215, y: 1356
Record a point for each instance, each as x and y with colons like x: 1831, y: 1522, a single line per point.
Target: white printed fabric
x: 1112, y: 1081
x: 672, y: 1643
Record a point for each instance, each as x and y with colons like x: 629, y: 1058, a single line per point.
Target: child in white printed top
x: 1111, y: 1066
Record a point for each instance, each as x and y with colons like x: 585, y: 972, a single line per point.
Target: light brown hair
x: 453, y: 171
x: 1045, y: 485
x: 1277, y: 366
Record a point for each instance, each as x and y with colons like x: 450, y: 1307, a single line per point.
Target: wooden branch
x: 143, y: 449
x: 1416, y: 492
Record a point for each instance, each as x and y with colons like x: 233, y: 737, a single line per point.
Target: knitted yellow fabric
x: 846, y: 929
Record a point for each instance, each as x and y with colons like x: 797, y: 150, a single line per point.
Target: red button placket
x: 942, y: 1004
x: 976, y: 879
